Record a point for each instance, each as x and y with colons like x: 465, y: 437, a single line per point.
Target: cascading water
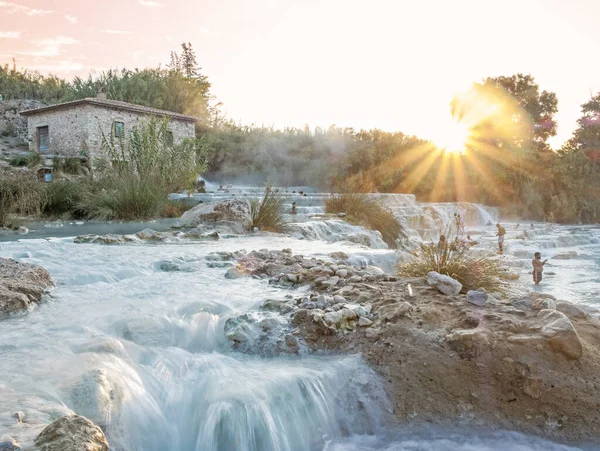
x: 134, y: 337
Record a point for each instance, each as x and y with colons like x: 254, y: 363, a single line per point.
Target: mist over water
x: 134, y: 337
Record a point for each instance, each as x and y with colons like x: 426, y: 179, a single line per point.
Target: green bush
x: 63, y: 197
x: 474, y: 269
x: 69, y: 165
x: 123, y: 197
x: 268, y: 213
x: 21, y: 194
x: 365, y: 211
x: 31, y: 160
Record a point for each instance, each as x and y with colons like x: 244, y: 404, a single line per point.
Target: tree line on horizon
x: 508, y: 162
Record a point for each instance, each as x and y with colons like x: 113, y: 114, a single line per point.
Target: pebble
x: 343, y: 273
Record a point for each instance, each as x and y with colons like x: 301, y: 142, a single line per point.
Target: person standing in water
x: 294, y: 211
x: 538, y: 267
x: 500, y: 235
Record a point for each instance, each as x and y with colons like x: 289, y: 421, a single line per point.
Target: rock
x: 543, y: 304
x: 331, y: 282
x: 375, y: 271
x: 355, y: 279
x: 523, y: 303
x: 292, y: 278
x: 478, y: 298
x: 337, y: 299
x: 468, y: 343
x: 269, y: 323
x: 339, y: 255
x: 19, y: 416
x: 364, y: 322
x: 342, y: 273
x: 291, y: 342
x: 567, y: 255
x: 358, y: 309
x: 235, y: 213
x: 9, y: 444
x: 444, y: 284
x: 234, y: 273
x: 572, y: 311
x: 241, y: 334
x: 72, y: 433
x: 21, y: 285
x: 104, y: 346
x: 150, y: 235
x: 344, y: 319
x: 23, y: 230
x: 392, y: 312
x: 560, y: 334
x: 97, y: 397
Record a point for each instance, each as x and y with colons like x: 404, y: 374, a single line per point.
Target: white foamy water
x: 142, y: 351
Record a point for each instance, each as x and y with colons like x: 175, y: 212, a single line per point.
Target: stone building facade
x: 75, y: 128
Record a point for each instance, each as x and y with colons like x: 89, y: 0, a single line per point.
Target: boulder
x: 97, y: 397
x: 21, y: 285
x: 150, y: 235
x: 572, y: 311
x: 364, y: 322
x: 391, y: 312
x: 523, y: 303
x: 444, y: 284
x: 72, y: 433
x: 567, y: 255
x: 478, y: 298
x: 235, y: 213
x: 560, y: 334
x: 543, y: 304
x: 234, y: 273
x: 468, y: 342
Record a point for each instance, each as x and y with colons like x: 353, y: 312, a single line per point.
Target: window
x: 43, y: 139
x: 119, y: 129
x: 169, y: 138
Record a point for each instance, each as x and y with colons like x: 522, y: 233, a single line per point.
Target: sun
x: 451, y: 136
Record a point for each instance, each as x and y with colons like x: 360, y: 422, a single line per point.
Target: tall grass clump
x: 146, y: 167
x: 123, y: 197
x: 20, y: 195
x: 267, y: 214
x: 31, y: 160
x: 63, y: 198
x: 474, y: 269
x: 360, y: 209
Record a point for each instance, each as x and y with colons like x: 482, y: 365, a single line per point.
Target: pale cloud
x: 109, y: 31
x: 12, y: 8
x: 71, y: 19
x: 61, y: 67
x: 10, y: 34
x: 150, y: 3
x: 51, y: 46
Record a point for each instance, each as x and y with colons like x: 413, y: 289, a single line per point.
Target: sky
x: 389, y: 64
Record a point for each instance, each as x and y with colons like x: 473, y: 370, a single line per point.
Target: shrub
x: 365, y: 211
x: 176, y: 208
x: 30, y: 160
x: 20, y: 194
x: 268, y: 213
x: 69, y: 165
x: 63, y: 197
x: 474, y: 269
x: 123, y: 197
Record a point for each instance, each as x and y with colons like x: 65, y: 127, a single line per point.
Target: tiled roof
x: 113, y: 104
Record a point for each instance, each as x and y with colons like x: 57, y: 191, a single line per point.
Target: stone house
x: 75, y: 128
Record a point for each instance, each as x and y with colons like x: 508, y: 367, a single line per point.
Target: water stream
x: 142, y: 351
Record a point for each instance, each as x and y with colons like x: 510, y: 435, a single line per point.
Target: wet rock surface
x: 72, y: 433
x: 21, y: 285
x: 517, y: 364
x: 232, y: 215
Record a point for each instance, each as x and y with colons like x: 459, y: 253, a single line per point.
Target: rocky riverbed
x: 530, y: 363
x: 22, y: 285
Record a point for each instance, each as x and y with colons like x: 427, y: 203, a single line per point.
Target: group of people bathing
x: 537, y: 262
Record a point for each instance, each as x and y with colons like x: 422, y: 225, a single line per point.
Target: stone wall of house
x: 65, y: 130
x: 78, y: 130
x: 100, y: 120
